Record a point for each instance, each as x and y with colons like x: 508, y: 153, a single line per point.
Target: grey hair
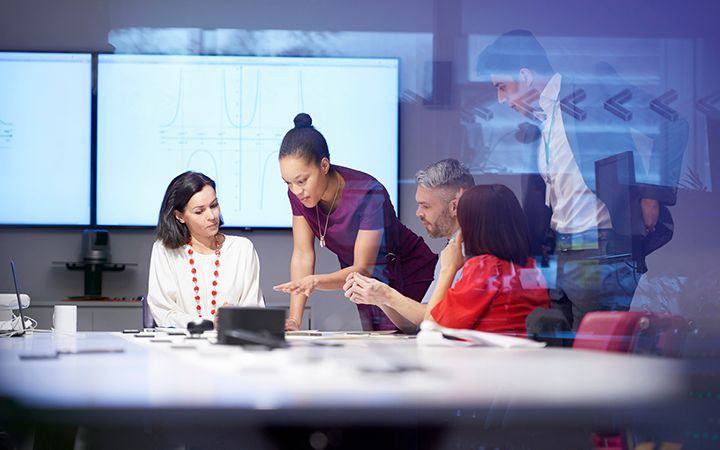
x: 447, y: 173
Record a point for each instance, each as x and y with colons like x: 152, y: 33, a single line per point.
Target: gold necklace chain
x: 327, y: 217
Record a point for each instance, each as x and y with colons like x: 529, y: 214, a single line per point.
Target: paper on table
x: 304, y: 333
x: 433, y: 334
x: 339, y: 334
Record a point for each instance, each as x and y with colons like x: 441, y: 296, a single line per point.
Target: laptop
x: 17, y: 294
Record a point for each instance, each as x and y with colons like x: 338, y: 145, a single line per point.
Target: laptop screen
x: 17, y: 294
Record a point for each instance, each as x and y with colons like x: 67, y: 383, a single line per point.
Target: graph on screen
x: 6, y: 135
x: 225, y: 116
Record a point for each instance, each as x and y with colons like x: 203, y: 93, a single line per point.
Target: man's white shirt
x: 575, y: 208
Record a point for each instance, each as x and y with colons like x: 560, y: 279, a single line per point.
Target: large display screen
x: 225, y: 116
x: 45, y: 135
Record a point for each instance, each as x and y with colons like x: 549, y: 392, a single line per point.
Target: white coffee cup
x: 65, y: 319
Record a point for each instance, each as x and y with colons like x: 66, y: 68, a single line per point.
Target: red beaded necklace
x: 216, y: 273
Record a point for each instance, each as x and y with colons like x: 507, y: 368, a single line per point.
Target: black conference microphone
x: 199, y: 326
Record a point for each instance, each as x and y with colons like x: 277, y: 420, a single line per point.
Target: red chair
x: 632, y: 332
x: 629, y: 332
x: 611, y: 331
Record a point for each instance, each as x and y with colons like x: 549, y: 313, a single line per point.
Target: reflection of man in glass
x: 590, y: 275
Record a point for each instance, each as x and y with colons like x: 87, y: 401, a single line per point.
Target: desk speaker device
x: 251, y: 326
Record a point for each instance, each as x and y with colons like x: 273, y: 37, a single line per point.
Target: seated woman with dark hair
x: 195, y: 269
x: 500, y: 284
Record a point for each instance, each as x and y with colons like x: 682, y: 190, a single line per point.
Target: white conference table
x: 343, y: 379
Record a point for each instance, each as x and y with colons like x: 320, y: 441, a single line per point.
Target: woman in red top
x: 500, y: 284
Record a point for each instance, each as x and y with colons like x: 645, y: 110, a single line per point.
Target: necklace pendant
x: 322, y: 241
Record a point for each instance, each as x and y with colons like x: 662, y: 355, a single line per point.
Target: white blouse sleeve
x: 251, y: 294
x: 163, y: 293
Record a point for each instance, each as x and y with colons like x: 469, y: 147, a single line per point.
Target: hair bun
x: 303, y: 120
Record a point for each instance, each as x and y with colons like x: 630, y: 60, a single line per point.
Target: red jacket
x: 493, y: 295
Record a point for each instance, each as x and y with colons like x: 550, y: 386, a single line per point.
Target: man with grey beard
x: 439, y: 187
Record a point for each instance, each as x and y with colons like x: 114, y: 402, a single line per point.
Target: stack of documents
x: 432, y: 334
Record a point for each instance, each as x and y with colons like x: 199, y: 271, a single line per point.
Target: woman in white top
x: 195, y: 269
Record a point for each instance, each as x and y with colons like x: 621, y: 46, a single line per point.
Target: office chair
x: 629, y: 332
x: 632, y: 332
x: 147, y: 318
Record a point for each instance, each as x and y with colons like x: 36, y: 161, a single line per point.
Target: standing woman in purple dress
x: 351, y: 214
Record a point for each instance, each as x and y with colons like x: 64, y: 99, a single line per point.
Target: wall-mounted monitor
x: 45, y: 127
x: 225, y: 116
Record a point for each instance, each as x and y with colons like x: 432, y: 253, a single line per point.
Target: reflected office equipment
x: 621, y: 194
